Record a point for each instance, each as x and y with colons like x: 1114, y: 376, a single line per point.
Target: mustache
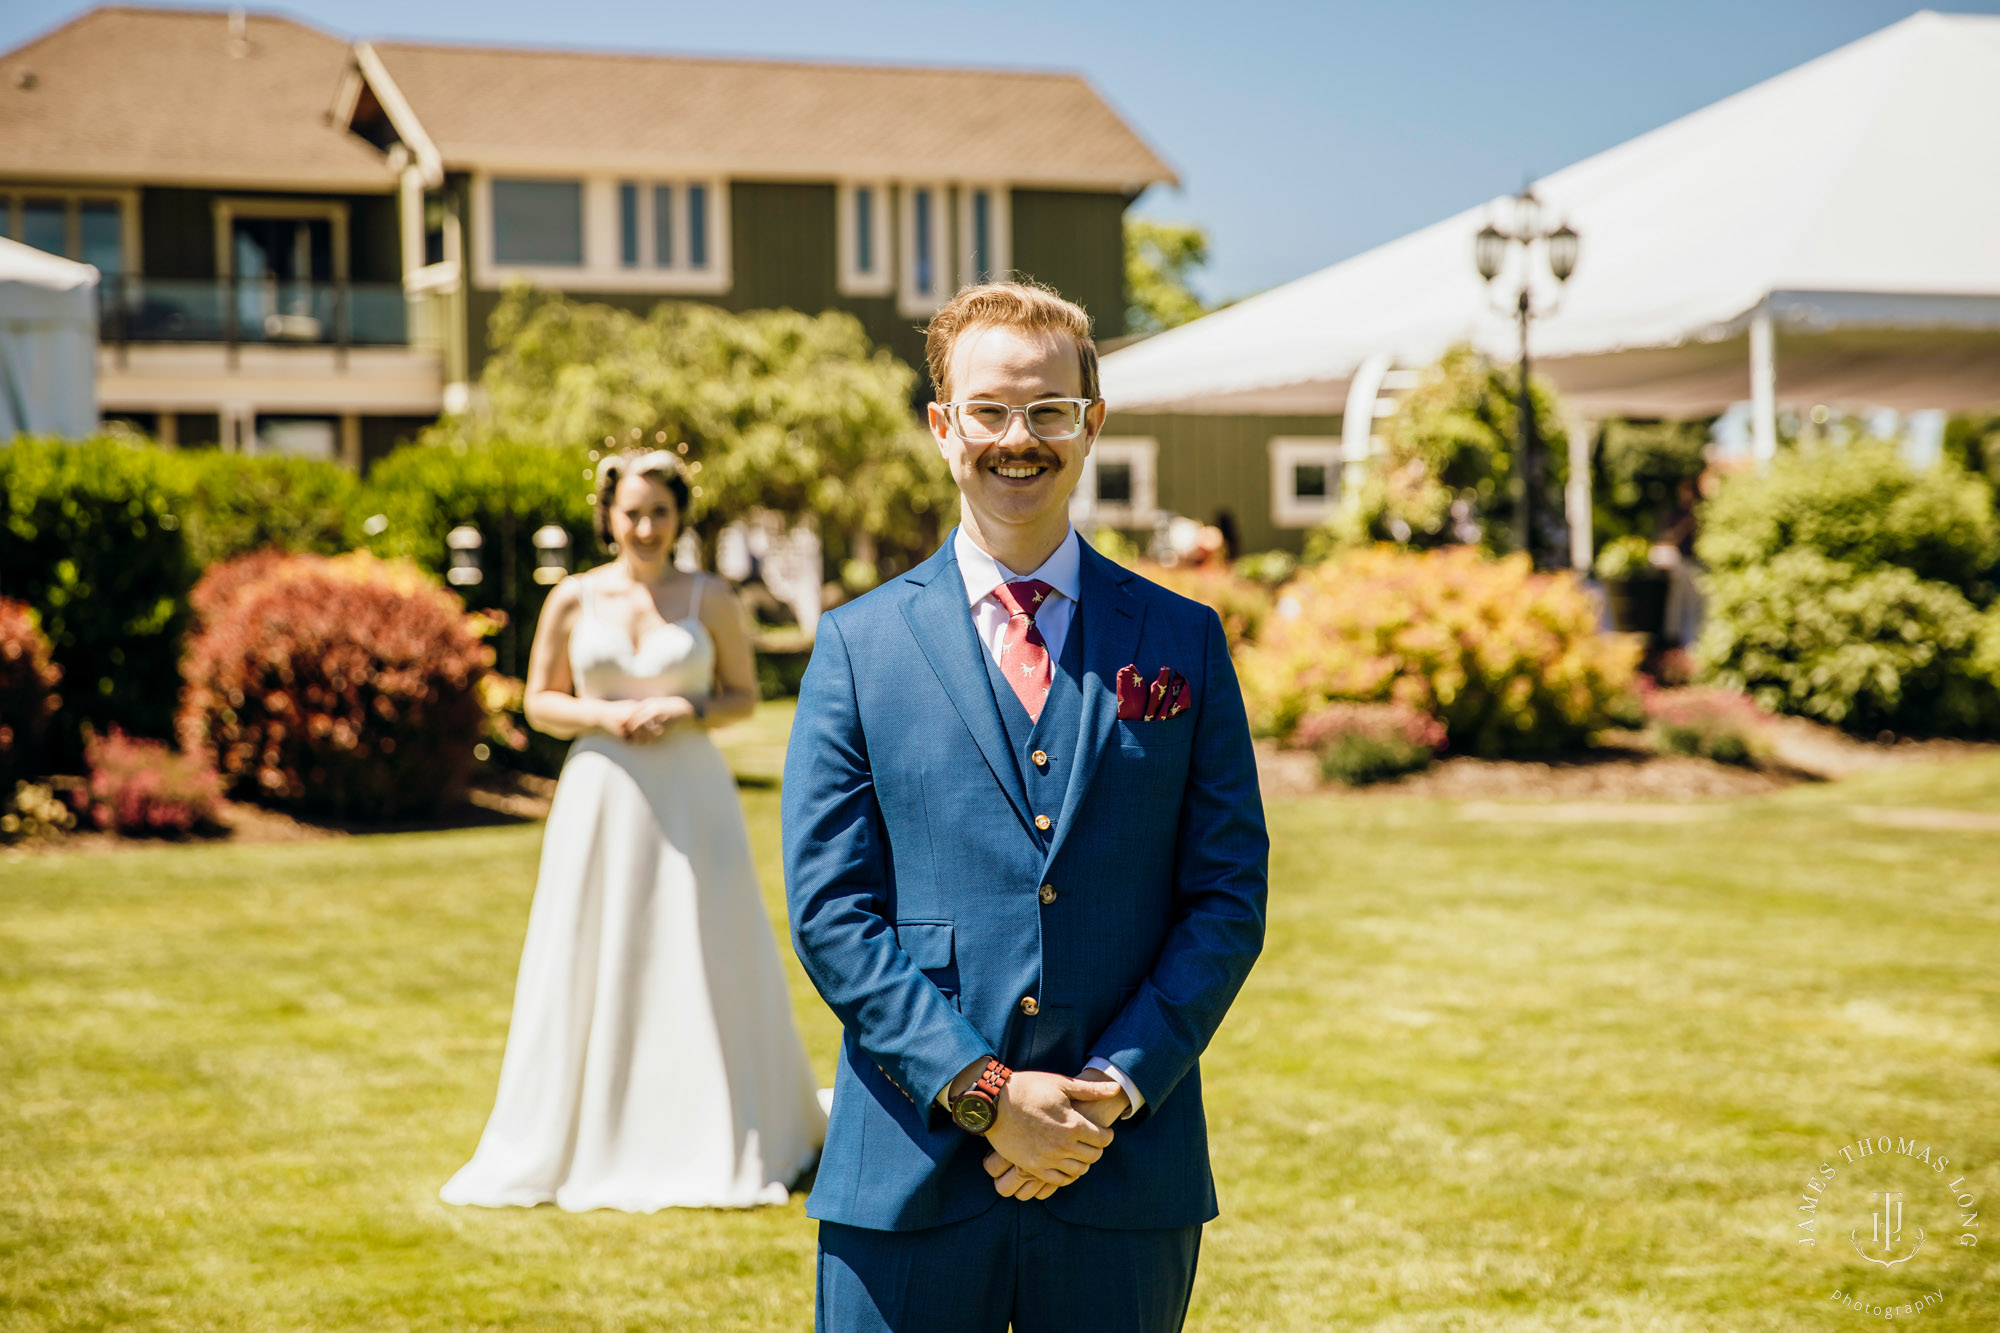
x: 1030, y: 458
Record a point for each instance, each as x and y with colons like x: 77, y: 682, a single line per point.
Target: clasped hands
x: 647, y: 719
x: 1050, y: 1129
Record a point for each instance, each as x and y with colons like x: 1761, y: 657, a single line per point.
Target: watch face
x: 974, y: 1113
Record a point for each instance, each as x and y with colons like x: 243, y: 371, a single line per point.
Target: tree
x: 1160, y: 257
x: 1447, y: 472
x: 780, y: 410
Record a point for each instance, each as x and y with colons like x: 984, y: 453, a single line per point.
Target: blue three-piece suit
x: 942, y: 923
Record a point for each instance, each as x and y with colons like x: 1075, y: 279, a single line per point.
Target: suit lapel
x: 1115, y: 617
x: 942, y: 624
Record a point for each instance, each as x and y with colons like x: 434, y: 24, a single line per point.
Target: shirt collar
x: 982, y: 573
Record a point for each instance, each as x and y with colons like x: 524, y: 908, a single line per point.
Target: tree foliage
x: 1160, y: 258
x: 780, y: 410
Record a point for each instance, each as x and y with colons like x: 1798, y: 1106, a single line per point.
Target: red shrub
x: 1369, y: 742
x: 141, y: 788
x: 1723, y: 725
x: 27, y: 692
x: 348, y: 685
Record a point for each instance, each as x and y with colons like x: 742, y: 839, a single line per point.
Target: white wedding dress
x: 652, y: 1061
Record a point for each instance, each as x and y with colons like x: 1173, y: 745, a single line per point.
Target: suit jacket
x: 913, y: 873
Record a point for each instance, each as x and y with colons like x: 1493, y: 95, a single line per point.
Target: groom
x: 1025, y: 859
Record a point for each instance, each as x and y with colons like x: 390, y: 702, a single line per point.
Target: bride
x: 652, y: 1061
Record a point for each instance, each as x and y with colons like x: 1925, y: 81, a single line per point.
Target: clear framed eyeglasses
x: 978, y: 421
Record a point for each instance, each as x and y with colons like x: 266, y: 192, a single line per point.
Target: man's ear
x: 940, y: 428
x: 1093, y: 424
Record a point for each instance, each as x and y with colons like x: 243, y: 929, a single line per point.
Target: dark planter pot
x: 1638, y: 604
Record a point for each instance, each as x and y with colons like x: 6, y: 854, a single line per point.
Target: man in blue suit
x: 1025, y: 861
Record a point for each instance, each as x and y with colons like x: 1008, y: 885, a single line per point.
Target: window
x: 697, y: 226
x: 1117, y: 488
x: 984, y: 232
x: 663, y: 226
x: 863, y: 227
x: 923, y: 252
x: 1305, y: 480
x: 628, y: 224
x: 84, y: 227
x: 537, y: 222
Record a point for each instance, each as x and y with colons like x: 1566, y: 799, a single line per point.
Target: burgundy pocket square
x: 1168, y: 695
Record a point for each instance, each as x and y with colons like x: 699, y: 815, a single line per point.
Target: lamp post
x: 1489, y: 254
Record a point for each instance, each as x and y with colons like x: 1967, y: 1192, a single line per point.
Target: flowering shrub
x: 28, y: 697
x: 1243, y: 605
x: 142, y: 788
x: 1362, y: 743
x: 1722, y: 725
x: 349, y: 685
x: 34, y: 811
x: 1510, y: 661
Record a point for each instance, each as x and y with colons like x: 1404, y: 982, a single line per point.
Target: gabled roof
x: 527, y: 109
x: 182, y: 96
x: 1856, y: 197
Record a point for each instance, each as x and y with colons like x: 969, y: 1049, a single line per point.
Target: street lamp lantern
x: 1489, y: 255
x: 1562, y: 252
x: 1489, y: 251
x: 551, y: 553
x: 464, y: 542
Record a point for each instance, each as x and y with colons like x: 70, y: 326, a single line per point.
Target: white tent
x: 1839, y: 225
x: 48, y: 344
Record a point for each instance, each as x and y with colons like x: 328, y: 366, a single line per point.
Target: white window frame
x: 1142, y: 454
x: 853, y: 282
x: 1289, y: 509
x: 603, y: 268
x: 17, y: 196
x: 909, y: 301
x: 1000, y: 219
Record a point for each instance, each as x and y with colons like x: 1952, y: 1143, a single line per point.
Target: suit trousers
x: 1015, y: 1264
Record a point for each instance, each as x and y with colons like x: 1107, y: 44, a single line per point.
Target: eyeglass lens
x: 1048, y: 419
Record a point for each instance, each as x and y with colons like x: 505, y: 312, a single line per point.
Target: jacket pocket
x: 928, y: 943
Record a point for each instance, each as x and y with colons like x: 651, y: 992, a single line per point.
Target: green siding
x: 1210, y: 466
x: 1075, y: 242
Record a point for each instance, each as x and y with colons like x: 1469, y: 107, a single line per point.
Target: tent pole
x: 1357, y: 426
x: 1763, y: 388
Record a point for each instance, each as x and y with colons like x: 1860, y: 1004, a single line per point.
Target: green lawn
x: 1492, y: 1073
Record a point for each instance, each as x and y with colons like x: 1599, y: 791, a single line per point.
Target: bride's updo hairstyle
x: 660, y: 464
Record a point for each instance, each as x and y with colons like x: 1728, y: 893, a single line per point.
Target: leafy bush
x: 507, y: 491
x: 91, y: 537
x: 34, y: 811
x: 1362, y: 743
x: 347, y: 685
x: 1271, y: 569
x: 1510, y: 661
x: 1448, y: 469
x: 1861, y: 505
x: 1861, y: 650
x: 1243, y: 605
x: 237, y: 503
x: 1710, y: 724
x: 1642, y: 473
x: 141, y: 788
x: 28, y: 698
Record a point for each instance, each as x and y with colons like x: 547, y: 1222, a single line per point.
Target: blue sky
x: 1303, y: 133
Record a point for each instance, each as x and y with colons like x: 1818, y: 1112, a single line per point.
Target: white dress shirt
x: 1062, y: 571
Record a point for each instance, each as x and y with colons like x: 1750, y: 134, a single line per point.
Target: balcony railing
x: 251, y: 310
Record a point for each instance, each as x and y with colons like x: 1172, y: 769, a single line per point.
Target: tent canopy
x: 48, y: 344
x: 1853, y: 203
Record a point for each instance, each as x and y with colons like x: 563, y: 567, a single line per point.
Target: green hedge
x: 238, y: 504
x: 92, y: 536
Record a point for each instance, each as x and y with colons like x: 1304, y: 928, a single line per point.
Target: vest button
x: 1041, y: 758
x: 1029, y: 1006
x: 1042, y: 823
x: 1048, y: 894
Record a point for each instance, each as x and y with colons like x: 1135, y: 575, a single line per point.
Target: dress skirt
x: 652, y: 1061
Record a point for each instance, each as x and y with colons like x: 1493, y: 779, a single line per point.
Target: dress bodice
x: 677, y: 657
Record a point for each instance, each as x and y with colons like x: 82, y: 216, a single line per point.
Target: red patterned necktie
x: 1024, y: 658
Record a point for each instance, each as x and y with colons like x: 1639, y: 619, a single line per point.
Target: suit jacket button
x: 1029, y: 1006
x: 1042, y: 823
x: 1048, y: 894
x: 1041, y: 758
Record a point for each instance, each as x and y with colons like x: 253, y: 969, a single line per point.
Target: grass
x: 1490, y: 1074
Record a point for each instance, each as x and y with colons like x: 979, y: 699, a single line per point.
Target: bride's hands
x: 642, y: 720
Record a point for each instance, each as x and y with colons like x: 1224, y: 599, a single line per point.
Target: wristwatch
x: 975, y: 1109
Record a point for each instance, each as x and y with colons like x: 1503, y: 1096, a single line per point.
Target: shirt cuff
x: 1118, y: 1076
